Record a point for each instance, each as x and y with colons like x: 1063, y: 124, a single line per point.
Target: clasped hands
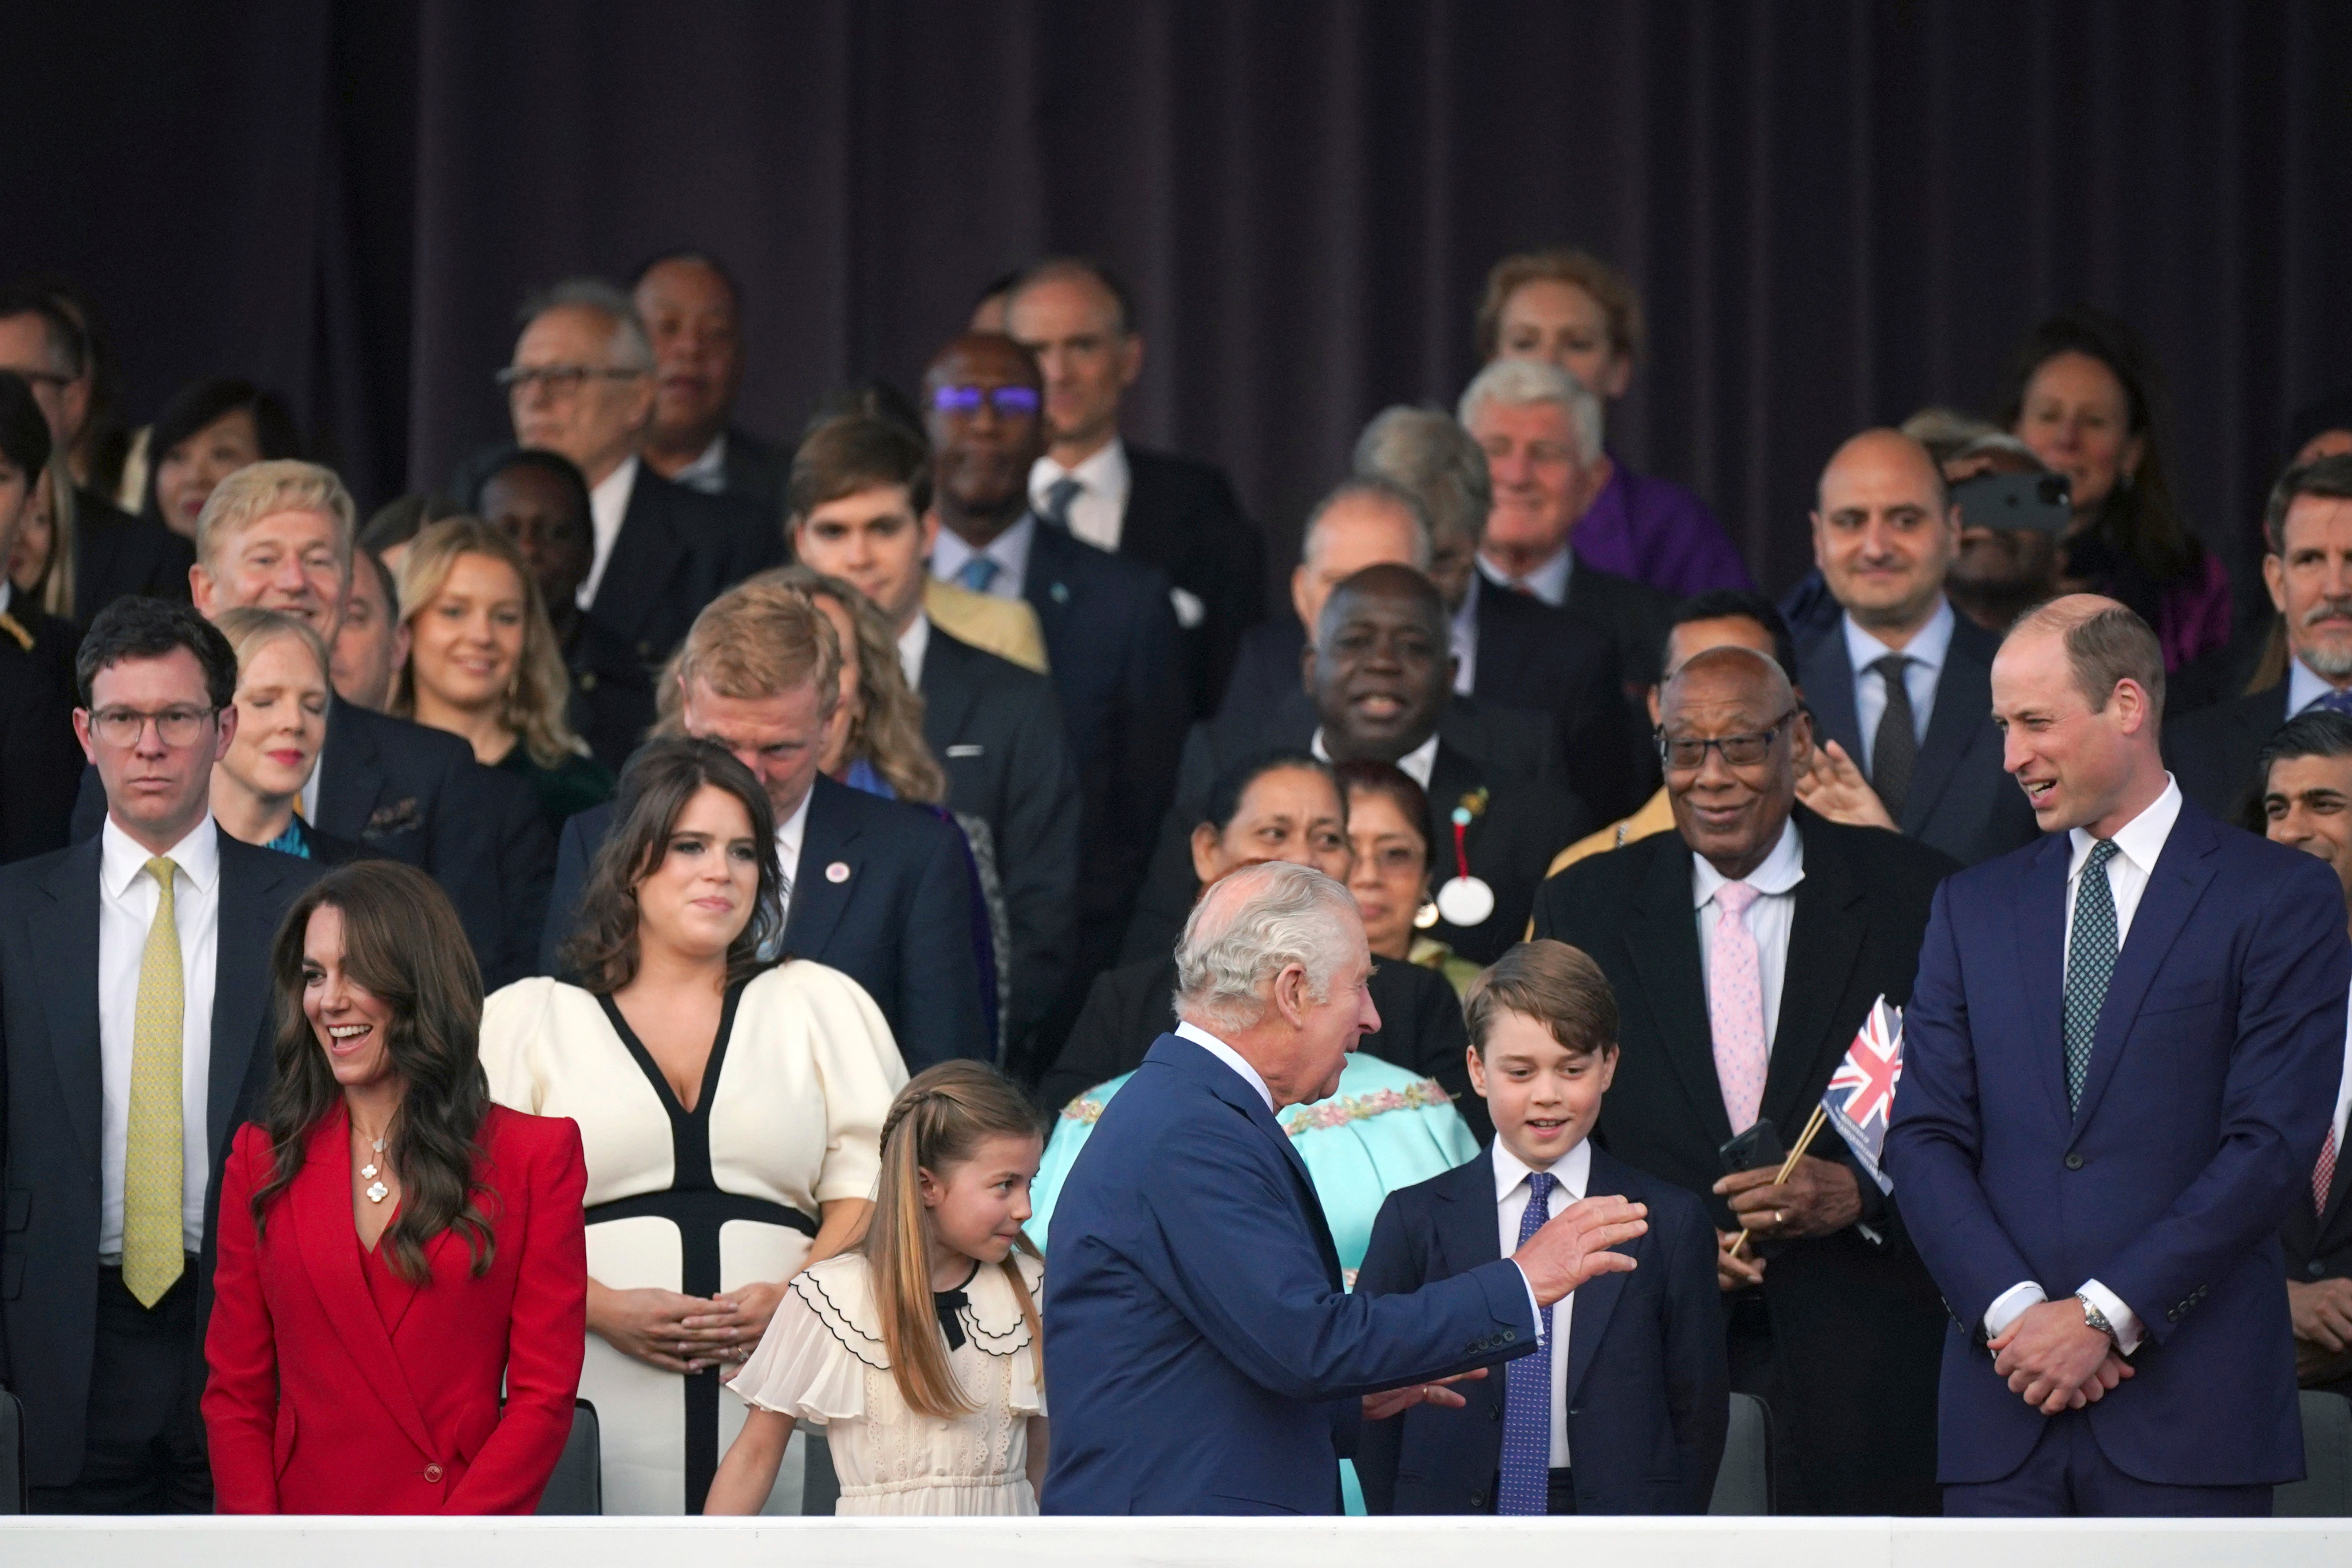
x: 683, y: 1333
x: 2054, y: 1360
x: 1572, y: 1247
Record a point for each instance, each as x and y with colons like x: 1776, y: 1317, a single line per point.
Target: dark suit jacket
x: 757, y: 471
x: 1183, y: 518
x: 116, y: 554
x: 2213, y: 751
x: 611, y: 691
x: 40, y: 761
x: 1110, y: 637
x: 2212, y: 1077
x: 408, y: 793
x: 54, y: 1110
x: 1648, y: 1381
x: 1204, y: 1354
x: 676, y: 550
x: 1962, y: 801
x: 1525, y: 820
x: 1134, y: 1005
x: 899, y: 922
x: 2319, y: 1246
x: 1850, y: 1443
x: 1531, y: 658
x: 1633, y: 613
x: 997, y: 730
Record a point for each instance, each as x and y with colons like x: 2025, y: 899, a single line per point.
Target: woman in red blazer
x: 393, y: 1248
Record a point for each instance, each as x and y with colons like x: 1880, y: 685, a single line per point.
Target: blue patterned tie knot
x: 1526, y: 1486
x: 977, y: 573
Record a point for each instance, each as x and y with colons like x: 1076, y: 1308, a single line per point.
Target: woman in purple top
x: 1572, y: 310
x: 2080, y: 393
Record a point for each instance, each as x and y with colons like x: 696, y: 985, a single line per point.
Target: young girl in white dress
x: 920, y: 1353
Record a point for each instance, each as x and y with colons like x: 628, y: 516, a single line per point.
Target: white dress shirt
x: 789, y: 833
x: 1547, y: 582
x: 2138, y: 844
x: 608, y: 503
x: 1417, y: 763
x: 1927, y: 650
x: 2343, y: 1090
x: 1098, y: 511
x: 1769, y: 917
x: 1574, y: 1169
x: 4, y: 593
x: 2303, y: 686
x: 1463, y: 633
x: 127, y: 897
x: 1009, y: 550
x: 706, y: 473
x: 913, y: 644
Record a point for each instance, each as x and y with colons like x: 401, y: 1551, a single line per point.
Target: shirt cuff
x: 2126, y: 1322
x: 1533, y: 1310
x: 2010, y: 1305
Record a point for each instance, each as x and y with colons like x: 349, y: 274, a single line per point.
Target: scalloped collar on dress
x: 840, y: 1292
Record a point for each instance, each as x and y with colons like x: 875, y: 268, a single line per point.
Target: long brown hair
x: 402, y: 940
x: 935, y: 1123
x: 656, y: 783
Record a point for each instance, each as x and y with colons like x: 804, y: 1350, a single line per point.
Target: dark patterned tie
x: 1058, y: 497
x: 1895, y: 750
x: 1527, y: 1391
x: 2335, y: 702
x: 2090, y: 964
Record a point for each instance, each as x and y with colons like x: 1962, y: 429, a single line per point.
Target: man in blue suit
x: 1204, y: 1354
x: 2122, y: 1049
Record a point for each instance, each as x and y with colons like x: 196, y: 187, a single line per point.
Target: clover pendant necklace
x: 375, y: 1190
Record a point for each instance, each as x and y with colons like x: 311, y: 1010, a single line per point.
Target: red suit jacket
x: 319, y: 1403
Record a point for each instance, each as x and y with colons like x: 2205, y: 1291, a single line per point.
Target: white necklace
x: 375, y: 1190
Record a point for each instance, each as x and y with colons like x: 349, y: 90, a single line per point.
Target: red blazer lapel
x: 321, y: 1199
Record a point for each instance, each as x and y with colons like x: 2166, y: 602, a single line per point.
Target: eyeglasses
x: 123, y: 726
x: 1007, y: 401
x: 1687, y: 754
x: 559, y: 380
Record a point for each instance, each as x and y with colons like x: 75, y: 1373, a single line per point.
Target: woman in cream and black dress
x: 732, y: 1112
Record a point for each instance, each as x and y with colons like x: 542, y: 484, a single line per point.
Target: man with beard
x: 2307, y: 526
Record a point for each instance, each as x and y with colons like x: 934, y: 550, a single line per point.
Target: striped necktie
x: 153, y: 1251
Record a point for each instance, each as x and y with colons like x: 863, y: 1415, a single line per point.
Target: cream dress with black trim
x: 822, y: 1362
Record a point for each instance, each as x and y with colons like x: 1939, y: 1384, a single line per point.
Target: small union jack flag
x: 1861, y: 1097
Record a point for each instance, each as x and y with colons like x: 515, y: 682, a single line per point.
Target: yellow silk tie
x: 152, y: 1251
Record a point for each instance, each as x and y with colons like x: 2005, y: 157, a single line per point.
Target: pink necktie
x: 2322, y: 1175
x: 1735, y: 1006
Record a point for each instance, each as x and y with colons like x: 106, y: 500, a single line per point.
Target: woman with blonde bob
x: 921, y: 1354
x: 484, y: 664
x: 283, y: 692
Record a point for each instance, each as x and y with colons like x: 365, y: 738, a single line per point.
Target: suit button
x: 1509, y: 1335
x: 1495, y: 1411
x: 2074, y: 1162
x: 1477, y: 1500
x: 2315, y: 1268
x: 433, y: 1474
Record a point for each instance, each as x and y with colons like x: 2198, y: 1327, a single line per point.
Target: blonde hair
x: 535, y: 700
x: 260, y: 490
x: 889, y: 730
x: 935, y: 1123
x: 1610, y: 288
x: 250, y: 629
x: 55, y: 590
x: 759, y: 639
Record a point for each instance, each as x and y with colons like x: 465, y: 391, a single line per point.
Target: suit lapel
x: 2040, y: 916
x: 347, y: 790
x: 1963, y: 698
x: 645, y: 555
x: 1824, y: 943
x: 68, y: 943
x: 1829, y: 692
x: 949, y: 691
x: 1662, y: 938
x: 826, y: 839
x: 1046, y: 585
x: 246, y: 929
x: 1597, y: 1297
x: 2182, y: 869
x: 1464, y: 1217
x: 320, y: 1200
x: 1227, y: 1085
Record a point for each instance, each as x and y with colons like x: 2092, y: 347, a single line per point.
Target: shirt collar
x: 1418, y: 763
x: 1782, y: 869
x: 121, y: 859
x: 1547, y: 582
x: 913, y: 643
x: 1929, y: 645
x: 708, y: 471
x: 611, y: 496
x: 2305, y: 685
x: 1224, y: 1053
x: 1573, y: 1169
x: 2140, y: 840
x: 1104, y: 472
x: 793, y: 829
x: 1009, y: 550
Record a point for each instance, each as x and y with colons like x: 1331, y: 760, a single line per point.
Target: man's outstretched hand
x: 1573, y: 1245
x: 1395, y: 1401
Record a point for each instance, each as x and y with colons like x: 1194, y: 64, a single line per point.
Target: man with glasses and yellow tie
x: 134, y: 1038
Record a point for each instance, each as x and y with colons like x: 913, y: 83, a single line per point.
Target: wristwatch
x: 2096, y: 1319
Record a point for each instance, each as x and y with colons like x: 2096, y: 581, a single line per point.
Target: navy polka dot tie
x: 1527, y: 1391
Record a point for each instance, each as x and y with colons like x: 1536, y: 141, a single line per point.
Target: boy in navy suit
x: 1623, y: 1409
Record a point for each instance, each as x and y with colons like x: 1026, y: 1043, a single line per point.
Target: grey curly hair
x: 1249, y: 927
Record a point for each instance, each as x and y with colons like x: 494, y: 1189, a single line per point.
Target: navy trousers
x: 2068, y: 1476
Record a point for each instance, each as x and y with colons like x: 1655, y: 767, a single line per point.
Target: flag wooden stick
x: 1788, y: 1167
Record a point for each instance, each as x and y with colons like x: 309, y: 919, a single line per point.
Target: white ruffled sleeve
x: 514, y: 1027
x: 858, y: 1063
x: 801, y: 1370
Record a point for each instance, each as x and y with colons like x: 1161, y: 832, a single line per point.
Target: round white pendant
x: 1466, y: 901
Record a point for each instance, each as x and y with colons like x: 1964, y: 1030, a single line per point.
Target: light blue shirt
x: 1009, y: 550
x: 1547, y: 582
x: 1927, y: 650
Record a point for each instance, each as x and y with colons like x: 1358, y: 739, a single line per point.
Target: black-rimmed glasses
x: 1687, y: 753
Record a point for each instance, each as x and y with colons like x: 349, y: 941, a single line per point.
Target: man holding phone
x: 1745, y: 949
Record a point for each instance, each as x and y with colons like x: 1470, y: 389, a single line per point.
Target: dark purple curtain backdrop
x: 1837, y: 212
